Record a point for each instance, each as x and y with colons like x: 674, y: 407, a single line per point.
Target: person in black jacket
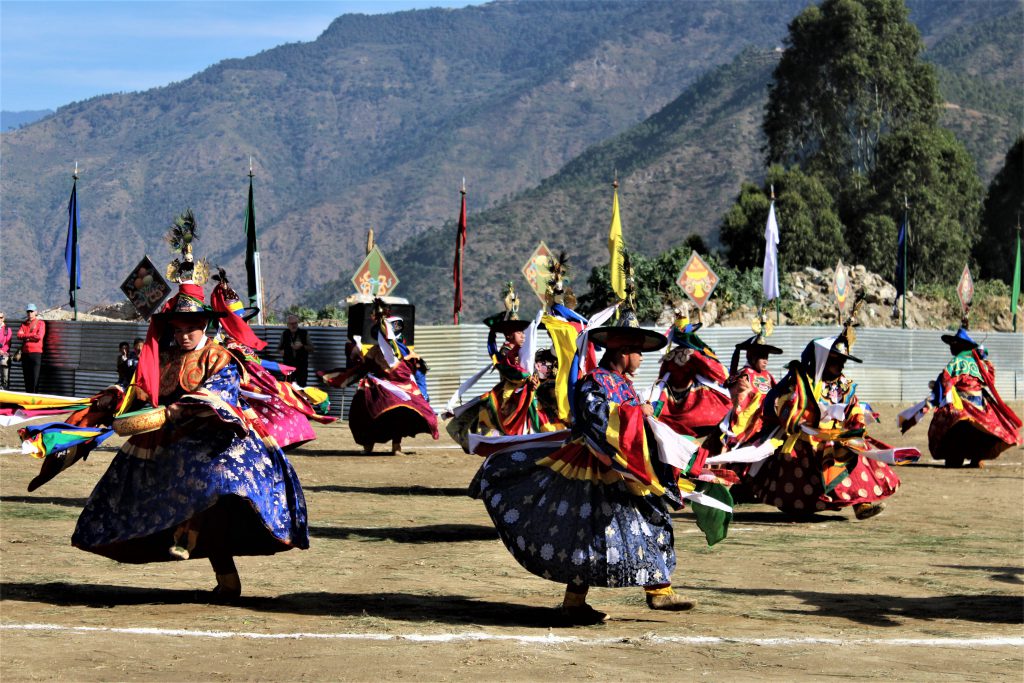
x: 295, y: 348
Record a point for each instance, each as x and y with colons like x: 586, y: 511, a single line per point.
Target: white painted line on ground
x: 546, y: 639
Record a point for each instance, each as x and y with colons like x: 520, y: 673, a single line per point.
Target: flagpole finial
x: 906, y: 204
x: 250, y: 166
x: 463, y: 190
x: 772, y: 186
x: 75, y: 174
x: 615, y: 181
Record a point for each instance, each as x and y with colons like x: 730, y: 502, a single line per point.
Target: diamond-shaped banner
x: 965, y: 290
x: 374, y: 277
x: 537, y: 270
x: 841, y: 288
x: 697, y: 280
x: 145, y: 287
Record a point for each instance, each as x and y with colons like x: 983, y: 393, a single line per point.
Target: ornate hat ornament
x: 507, y: 321
x: 231, y: 298
x: 558, y: 292
x: 181, y: 235
x: 844, y: 342
x: 628, y: 336
x: 189, y: 273
x: 684, y: 333
x: 236, y: 319
x: 961, y: 338
x: 762, y: 327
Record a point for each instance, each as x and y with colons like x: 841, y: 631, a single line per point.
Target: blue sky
x: 54, y: 53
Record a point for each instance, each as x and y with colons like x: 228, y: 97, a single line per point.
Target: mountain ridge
x: 353, y: 131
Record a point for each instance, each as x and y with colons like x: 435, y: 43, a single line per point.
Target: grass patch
x: 11, y: 511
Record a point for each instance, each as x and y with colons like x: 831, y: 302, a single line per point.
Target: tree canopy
x: 850, y: 73
x: 1001, y: 216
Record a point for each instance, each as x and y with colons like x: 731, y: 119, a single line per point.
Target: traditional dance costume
x: 971, y: 420
x: 822, y: 463
x: 389, y: 404
x: 216, y: 483
x: 593, y: 511
x: 694, y: 400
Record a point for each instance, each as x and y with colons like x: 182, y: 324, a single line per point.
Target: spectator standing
x: 295, y: 348
x: 5, y: 353
x: 31, y: 333
x: 124, y: 369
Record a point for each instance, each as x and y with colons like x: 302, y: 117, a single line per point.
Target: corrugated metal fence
x: 80, y: 357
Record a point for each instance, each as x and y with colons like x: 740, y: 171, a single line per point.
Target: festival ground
x: 406, y: 579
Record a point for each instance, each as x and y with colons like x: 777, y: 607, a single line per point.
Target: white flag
x: 770, y: 279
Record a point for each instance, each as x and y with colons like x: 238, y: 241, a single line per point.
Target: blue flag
x: 71, y: 248
x: 901, y: 257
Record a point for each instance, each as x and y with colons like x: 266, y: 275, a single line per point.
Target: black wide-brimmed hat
x: 756, y: 343
x: 627, y: 339
x: 961, y: 338
x: 499, y: 323
x: 841, y: 348
x: 188, y: 304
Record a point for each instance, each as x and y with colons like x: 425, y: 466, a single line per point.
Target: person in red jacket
x: 5, y: 353
x: 31, y: 334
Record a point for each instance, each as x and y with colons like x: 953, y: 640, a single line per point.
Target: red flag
x: 460, y: 244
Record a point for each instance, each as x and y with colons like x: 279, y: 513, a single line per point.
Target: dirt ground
x: 406, y: 579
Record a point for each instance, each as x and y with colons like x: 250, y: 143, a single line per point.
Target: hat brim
x: 845, y: 355
x: 510, y: 326
x: 952, y: 339
x: 764, y: 348
x: 628, y: 338
x: 190, y: 315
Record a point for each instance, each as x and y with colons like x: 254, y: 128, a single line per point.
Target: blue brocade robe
x: 223, y: 464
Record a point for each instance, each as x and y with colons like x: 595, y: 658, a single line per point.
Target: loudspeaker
x: 360, y: 322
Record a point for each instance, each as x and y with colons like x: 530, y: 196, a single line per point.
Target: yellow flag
x: 563, y: 341
x: 618, y: 278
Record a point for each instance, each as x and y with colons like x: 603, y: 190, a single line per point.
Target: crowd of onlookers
x: 295, y: 347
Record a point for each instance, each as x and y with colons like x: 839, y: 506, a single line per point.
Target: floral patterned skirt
x: 574, y: 531
x: 210, y: 479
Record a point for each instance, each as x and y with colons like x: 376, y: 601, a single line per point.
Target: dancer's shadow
x: 447, y: 609
x: 771, y: 518
x: 1003, y: 574
x: 357, y: 453
x: 389, y: 490
x: 890, y: 610
x: 433, y: 533
x: 45, y: 500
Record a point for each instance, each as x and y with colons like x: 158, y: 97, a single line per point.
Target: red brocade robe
x: 971, y: 421
x: 378, y: 414
x: 689, y: 406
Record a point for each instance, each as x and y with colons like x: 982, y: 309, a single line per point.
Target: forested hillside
x: 681, y: 169
x: 372, y: 125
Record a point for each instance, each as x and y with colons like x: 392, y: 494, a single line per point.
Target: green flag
x: 1015, y: 294
x: 252, y: 258
x: 712, y: 521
